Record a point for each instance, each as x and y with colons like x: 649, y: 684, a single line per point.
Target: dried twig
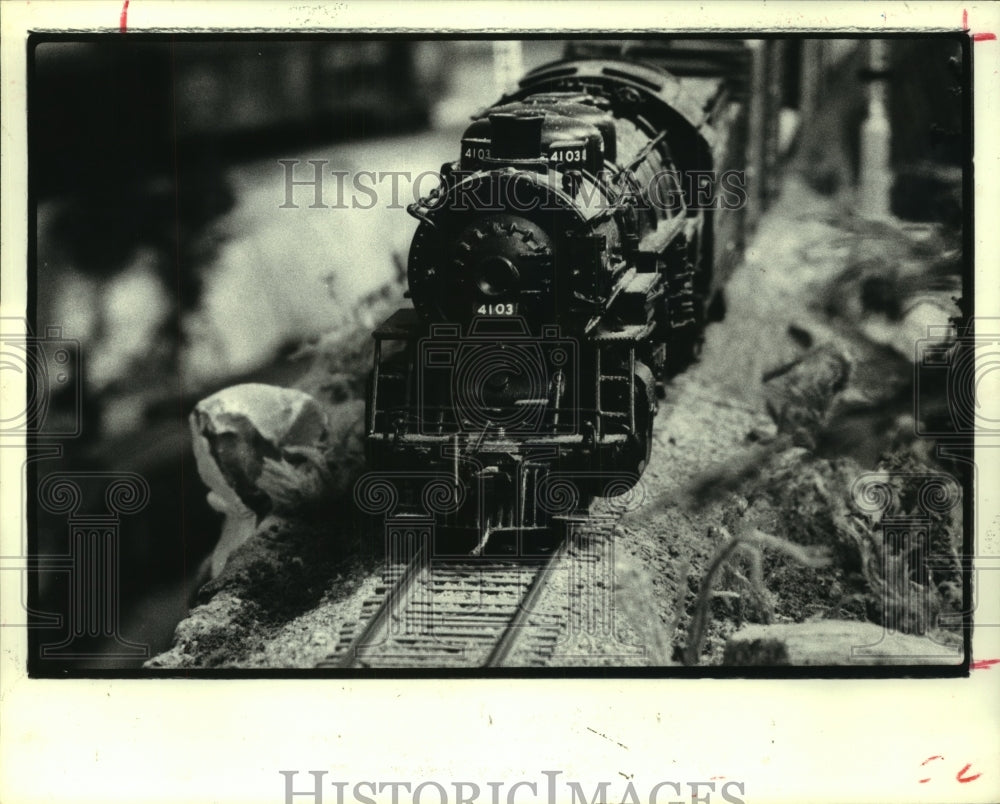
x: 754, y: 541
x: 696, y: 632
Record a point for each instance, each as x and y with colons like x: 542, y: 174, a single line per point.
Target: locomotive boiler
x: 559, y: 273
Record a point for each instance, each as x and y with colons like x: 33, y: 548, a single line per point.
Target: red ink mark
x: 929, y: 759
x: 963, y: 778
x: 979, y: 37
x: 960, y: 776
x: 123, y: 19
x: 984, y: 664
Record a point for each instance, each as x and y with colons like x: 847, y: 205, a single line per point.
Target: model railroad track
x: 467, y: 612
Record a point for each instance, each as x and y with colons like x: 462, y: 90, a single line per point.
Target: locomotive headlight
x: 496, y: 276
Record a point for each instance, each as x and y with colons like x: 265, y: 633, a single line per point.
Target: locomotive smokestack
x: 516, y: 136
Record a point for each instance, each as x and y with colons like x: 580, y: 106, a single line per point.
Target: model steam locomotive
x: 562, y: 270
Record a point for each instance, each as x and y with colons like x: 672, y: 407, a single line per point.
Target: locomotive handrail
x: 420, y: 212
x: 642, y: 156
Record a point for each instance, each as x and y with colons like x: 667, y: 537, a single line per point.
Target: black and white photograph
x: 500, y: 353
x: 522, y: 355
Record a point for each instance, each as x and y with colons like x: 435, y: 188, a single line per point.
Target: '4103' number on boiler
x: 496, y: 309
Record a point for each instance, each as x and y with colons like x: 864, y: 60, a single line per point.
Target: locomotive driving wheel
x: 641, y: 443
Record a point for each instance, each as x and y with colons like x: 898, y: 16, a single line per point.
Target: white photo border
x: 226, y: 740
